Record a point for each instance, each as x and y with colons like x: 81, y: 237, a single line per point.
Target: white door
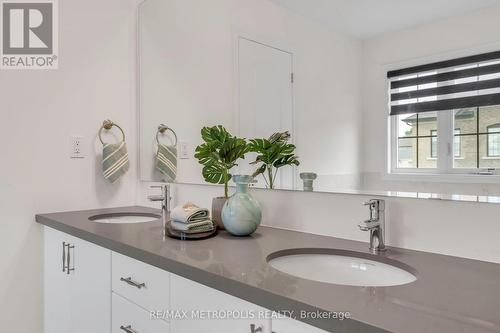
x: 264, y: 98
x: 78, y: 301
x: 212, y: 311
x: 57, y: 314
x: 90, y: 287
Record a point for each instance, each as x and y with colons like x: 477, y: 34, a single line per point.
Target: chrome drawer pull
x: 127, y: 329
x: 133, y: 283
x: 68, y: 258
x: 64, y: 257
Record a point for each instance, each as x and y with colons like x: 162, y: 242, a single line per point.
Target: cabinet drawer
x: 128, y: 317
x: 140, y: 283
x: 190, y: 296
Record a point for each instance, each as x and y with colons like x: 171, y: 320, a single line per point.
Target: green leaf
x: 286, y: 160
x: 280, y: 137
x: 259, y: 145
x: 215, y: 174
x: 287, y: 149
x: 205, y: 152
x: 216, y: 135
x: 233, y: 150
x: 260, y: 170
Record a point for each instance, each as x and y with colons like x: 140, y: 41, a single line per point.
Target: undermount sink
x: 342, y: 267
x: 125, y: 218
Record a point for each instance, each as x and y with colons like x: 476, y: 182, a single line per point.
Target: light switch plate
x: 184, y: 150
x: 76, y: 147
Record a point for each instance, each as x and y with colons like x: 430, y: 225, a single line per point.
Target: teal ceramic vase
x: 241, y: 213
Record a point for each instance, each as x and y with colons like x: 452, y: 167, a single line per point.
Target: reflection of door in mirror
x: 264, y: 99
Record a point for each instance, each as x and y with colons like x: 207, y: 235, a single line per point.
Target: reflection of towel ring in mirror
x: 107, y: 125
x: 162, y: 129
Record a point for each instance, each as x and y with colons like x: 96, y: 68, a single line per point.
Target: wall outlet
x: 77, y: 147
x: 184, y: 150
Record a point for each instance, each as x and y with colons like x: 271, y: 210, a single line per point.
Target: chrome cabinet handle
x: 64, y: 256
x: 255, y: 330
x: 133, y: 283
x: 68, y: 259
x: 127, y: 329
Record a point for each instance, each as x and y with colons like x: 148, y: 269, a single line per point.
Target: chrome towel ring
x: 162, y: 129
x: 107, y: 125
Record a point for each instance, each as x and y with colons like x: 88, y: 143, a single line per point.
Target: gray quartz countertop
x: 451, y: 294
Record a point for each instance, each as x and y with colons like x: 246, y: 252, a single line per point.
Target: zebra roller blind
x: 472, y: 81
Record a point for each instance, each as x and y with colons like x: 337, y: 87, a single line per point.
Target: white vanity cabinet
x: 288, y: 325
x: 191, y: 296
x: 91, y: 289
x: 77, y: 285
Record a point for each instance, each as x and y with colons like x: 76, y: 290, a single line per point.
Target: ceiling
x: 366, y: 19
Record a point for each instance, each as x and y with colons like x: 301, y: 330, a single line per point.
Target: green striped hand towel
x: 193, y: 228
x: 115, y: 162
x: 166, y: 162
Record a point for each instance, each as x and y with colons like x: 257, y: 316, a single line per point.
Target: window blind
x: 472, y: 81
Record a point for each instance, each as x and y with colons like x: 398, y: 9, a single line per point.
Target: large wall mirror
x: 373, y: 98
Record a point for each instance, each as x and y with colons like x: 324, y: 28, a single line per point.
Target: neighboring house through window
x: 456, y: 143
x: 434, y: 143
x: 493, y: 141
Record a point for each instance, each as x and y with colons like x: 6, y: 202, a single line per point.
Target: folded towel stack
x: 191, y: 219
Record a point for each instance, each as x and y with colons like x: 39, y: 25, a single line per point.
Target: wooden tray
x: 171, y: 232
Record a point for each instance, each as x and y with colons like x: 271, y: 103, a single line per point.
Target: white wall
x: 468, y: 34
x: 188, y: 62
x: 39, y: 111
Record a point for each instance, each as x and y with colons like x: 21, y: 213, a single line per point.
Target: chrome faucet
x: 375, y: 225
x: 164, y: 198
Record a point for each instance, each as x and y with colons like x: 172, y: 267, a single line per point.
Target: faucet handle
x: 368, y: 225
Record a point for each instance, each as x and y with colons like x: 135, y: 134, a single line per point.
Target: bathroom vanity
x: 126, y: 277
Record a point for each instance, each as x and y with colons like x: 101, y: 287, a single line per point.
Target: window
x: 445, y: 116
x: 456, y: 143
x: 493, y: 140
x: 434, y: 142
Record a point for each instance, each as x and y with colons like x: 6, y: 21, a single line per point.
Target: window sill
x: 442, y: 178
x: 490, y: 157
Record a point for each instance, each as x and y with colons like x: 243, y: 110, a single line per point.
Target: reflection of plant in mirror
x: 219, y: 154
x: 273, y: 153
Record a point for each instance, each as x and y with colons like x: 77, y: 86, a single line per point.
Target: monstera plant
x: 272, y: 154
x: 218, y: 154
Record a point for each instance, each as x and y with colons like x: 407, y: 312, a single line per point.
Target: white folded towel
x: 191, y: 228
x: 189, y: 213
